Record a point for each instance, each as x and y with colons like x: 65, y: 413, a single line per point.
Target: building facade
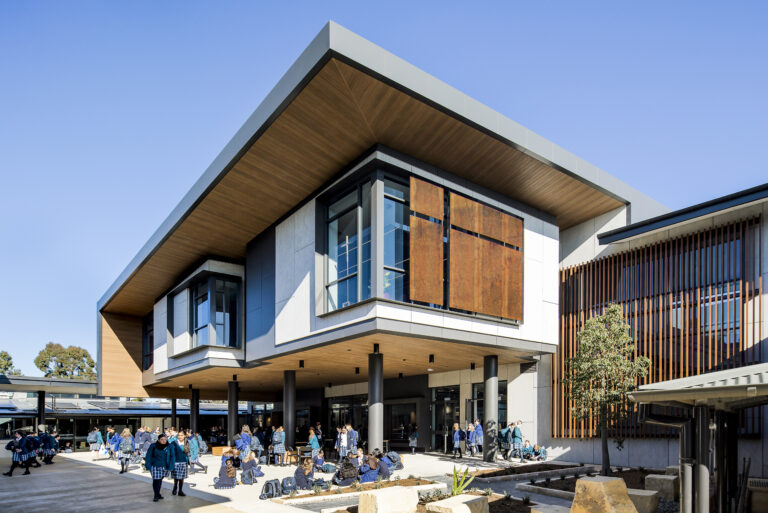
x: 373, y: 247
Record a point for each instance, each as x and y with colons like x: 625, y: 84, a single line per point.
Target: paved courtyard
x: 77, y: 483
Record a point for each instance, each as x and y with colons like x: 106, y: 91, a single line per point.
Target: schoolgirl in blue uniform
x: 19, y: 450
x: 180, y: 449
x: 33, y: 447
x: 160, y: 461
x: 124, y: 448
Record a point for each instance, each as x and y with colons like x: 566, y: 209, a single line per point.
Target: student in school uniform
x: 539, y: 453
x: 304, y: 475
x: 244, y: 444
x: 353, y: 438
x: 227, y: 476
x: 458, y: 437
x: 278, y: 445
x: 314, y: 443
x: 369, y: 471
x: 471, y: 439
x: 527, y: 450
x: 160, y: 462
x: 194, y: 453
x: 124, y: 449
x: 180, y: 449
x: 479, y: 435
x: 342, y: 443
x: 95, y: 441
x: 33, y: 447
x: 18, y: 448
x: 47, y: 443
x: 55, y: 437
x: 385, y: 466
x: 413, y: 439
x: 517, y: 441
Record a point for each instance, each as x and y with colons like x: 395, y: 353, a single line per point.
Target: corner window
x: 214, y: 312
x: 396, y: 239
x: 348, y: 263
x: 148, y: 341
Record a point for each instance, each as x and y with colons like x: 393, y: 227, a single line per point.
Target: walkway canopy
x: 725, y: 390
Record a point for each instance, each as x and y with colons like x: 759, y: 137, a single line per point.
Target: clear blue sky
x: 109, y: 111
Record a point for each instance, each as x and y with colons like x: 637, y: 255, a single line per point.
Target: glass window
x: 148, y: 342
x: 396, y: 248
x: 225, y: 319
x: 201, y: 314
x: 348, y: 268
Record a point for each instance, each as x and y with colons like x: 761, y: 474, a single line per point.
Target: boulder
x: 602, y: 494
x: 460, y: 504
x: 673, y: 470
x: 667, y: 486
x: 395, y: 499
x: 645, y: 501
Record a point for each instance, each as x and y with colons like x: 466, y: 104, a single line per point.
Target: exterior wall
x: 119, y: 361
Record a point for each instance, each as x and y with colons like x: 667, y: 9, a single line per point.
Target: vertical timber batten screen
x: 693, y: 304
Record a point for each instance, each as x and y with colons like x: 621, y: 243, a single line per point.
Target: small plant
x: 474, y: 489
x: 488, y: 492
x: 526, y: 500
x: 576, y: 475
x: 292, y: 493
x: 397, y: 478
x: 532, y: 480
x: 411, y: 476
x: 316, y: 489
x: 507, y: 497
x: 461, y: 482
x: 379, y: 479
x: 547, y: 480
x: 337, y: 490
x: 377, y: 485
x: 562, y: 477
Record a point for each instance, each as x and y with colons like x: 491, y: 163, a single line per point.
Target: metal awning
x: 729, y: 389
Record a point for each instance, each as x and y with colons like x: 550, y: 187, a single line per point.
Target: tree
x: 6, y: 365
x: 601, y: 373
x: 73, y: 362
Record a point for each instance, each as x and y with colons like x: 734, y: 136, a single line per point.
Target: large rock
x: 667, y: 486
x: 460, y: 504
x: 602, y: 494
x: 645, y: 501
x: 395, y: 499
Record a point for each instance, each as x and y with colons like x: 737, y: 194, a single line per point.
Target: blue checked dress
x: 278, y: 447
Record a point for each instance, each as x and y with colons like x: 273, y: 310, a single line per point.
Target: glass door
x: 445, y: 412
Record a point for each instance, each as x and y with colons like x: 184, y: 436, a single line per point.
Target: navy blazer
x: 162, y: 458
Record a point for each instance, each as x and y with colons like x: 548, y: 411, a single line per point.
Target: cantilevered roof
x: 48, y: 385
x: 343, y: 96
x: 729, y: 389
x: 686, y: 215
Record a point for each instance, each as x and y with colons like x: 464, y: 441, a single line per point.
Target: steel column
x: 289, y: 407
x: 232, y: 399
x: 173, y: 414
x: 194, y: 410
x: 375, y: 401
x: 40, y: 408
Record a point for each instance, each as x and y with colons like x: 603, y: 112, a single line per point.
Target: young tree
x: 57, y: 361
x: 6, y: 365
x: 601, y: 373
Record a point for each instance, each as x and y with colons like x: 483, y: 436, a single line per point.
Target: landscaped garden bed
x: 339, y: 492
x: 521, y: 469
x: 496, y: 504
x: 634, y: 478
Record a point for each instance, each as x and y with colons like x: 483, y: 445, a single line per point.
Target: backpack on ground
x: 328, y: 468
x: 126, y: 446
x: 262, y: 460
x: 324, y: 485
x: 270, y: 490
x: 397, y: 463
x: 348, y: 470
x: 288, y: 485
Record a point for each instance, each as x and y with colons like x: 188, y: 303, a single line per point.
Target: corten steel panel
x: 512, y: 289
x: 671, y: 293
x: 426, y: 256
x: 512, y: 230
x: 465, y: 213
x: 461, y: 277
x: 426, y: 198
x: 489, y: 275
x: 491, y: 222
x: 120, y: 356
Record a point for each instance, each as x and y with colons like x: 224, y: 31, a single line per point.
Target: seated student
x: 227, y: 454
x: 385, y: 466
x: 539, y: 453
x: 304, y: 475
x: 347, y: 473
x: 251, y: 469
x: 359, y: 457
x: 227, y: 476
x: 369, y: 471
x: 527, y: 450
x: 318, y: 461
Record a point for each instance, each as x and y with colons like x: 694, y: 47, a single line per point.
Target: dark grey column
x: 701, y: 470
x: 232, y: 427
x: 289, y: 407
x: 194, y: 410
x: 173, y: 414
x: 40, y: 408
x: 490, y: 407
x: 375, y: 401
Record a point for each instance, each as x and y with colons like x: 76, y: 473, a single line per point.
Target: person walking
x: 194, y: 453
x: 18, y: 448
x: 413, y: 439
x: 517, y: 441
x: 180, y: 461
x: 124, y: 449
x: 479, y: 436
x: 160, y: 462
x: 95, y: 441
x: 471, y: 439
x: 458, y: 436
x: 313, y: 442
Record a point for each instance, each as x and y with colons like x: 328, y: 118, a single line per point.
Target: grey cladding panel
x: 260, y: 289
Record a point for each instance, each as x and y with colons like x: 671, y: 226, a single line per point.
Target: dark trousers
x: 457, y: 449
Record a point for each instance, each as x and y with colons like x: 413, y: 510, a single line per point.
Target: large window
x: 396, y: 250
x: 147, y: 341
x: 214, y: 312
x: 348, y: 268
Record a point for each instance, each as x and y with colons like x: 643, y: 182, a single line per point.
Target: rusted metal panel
x: 426, y: 257
x: 461, y: 275
x: 426, y: 198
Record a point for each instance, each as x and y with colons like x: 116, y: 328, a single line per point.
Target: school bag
x: 203, y: 447
x: 262, y: 460
x: 92, y: 438
x: 277, y: 438
x: 397, y: 462
x: 288, y: 485
x: 348, y: 470
x: 255, y: 445
x: 353, y: 438
x: 328, y: 468
x: 324, y: 485
x: 270, y: 490
x: 126, y: 445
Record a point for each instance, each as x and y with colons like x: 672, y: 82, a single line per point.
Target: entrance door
x: 445, y: 412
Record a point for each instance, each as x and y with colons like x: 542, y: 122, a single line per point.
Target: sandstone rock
x: 396, y: 499
x: 645, y: 501
x: 460, y: 504
x: 601, y: 494
x: 667, y: 486
x: 673, y: 470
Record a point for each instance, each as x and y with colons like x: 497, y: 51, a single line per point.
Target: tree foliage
x: 73, y: 362
x: 603, y: 370
x: 6, y: 365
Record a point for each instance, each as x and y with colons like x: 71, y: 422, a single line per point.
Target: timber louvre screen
x: 693, y: 304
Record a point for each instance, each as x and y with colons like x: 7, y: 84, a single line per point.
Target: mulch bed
x: 361, y: 488
x: 521, y: 469
x: 496, y: 504
x: 634, y: 478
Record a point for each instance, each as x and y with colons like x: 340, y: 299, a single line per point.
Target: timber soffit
x: 336, y: 42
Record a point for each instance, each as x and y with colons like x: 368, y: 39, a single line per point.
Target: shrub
x: 532, y: 480
x: 460, y: 482
x: 562, y: 477
x: 488, y: 492
x: 316, y: 489
x: 292, y: 493
x: 411, y: 476
x: 527, y: 500
x: 547, y: 480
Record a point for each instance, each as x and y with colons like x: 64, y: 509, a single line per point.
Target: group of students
x: 26, y: 448
x: 510, y: 442
x: 366, y: 468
